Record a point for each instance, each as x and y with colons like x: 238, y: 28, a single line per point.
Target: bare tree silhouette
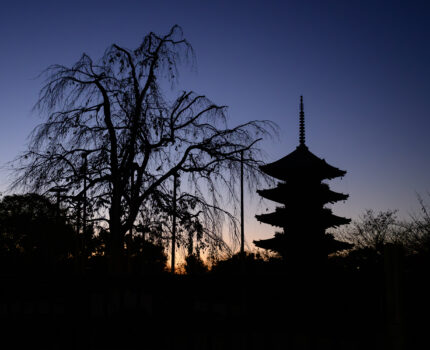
x: 374, y: 230
x: 114, y: 115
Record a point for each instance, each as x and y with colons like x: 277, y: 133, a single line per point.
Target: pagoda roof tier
x: 284, y: 192
x: 301, y: 162
x: 281, y: 217
x: 288, y: 242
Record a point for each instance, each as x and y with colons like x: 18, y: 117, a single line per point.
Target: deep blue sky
x: 362, y: 66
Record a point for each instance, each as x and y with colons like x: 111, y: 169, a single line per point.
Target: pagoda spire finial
x: 302, y: 123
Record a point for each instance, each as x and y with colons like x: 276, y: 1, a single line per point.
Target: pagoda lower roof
x: 285, y: 192
x: 282, y: 217
x: 286, y: 242
x: 301, y: 162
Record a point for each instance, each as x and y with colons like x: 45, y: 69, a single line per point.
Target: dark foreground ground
x: 325, y: 309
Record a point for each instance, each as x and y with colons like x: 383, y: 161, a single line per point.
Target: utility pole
x: 242, y: 227
x: 175, y: 180
x: 84, y: 214
x: 81, y: 215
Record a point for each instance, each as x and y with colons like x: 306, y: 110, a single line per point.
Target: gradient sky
x: 363, y: 68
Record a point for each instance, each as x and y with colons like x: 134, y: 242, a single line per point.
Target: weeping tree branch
x: 134, y: 140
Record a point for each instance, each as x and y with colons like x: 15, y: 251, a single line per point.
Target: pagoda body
x: 302, y: 195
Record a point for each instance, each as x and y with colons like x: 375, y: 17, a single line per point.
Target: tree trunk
x: 116, y: 239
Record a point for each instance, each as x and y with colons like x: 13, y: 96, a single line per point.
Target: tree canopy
x: 113, y: 141
x: 34, y: 228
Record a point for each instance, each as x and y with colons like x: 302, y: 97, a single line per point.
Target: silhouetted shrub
x: 34, y: 233
x: 194, y: 265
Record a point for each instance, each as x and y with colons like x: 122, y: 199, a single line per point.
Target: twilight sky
x: 362, y: 67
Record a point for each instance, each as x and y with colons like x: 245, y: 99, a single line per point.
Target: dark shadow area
x: 369, y: 298
x: 263, y: 305
x: 372, y: 297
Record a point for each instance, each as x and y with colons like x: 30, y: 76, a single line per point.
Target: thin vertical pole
x: 81, y: 238
x: 58, y: 222
x: 175, y: 176
x: 78, y: 235
x: 84, y: 215
x: 242, y: 226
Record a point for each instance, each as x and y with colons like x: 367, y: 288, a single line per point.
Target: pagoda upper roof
x: 301, y: 162
x: 320, y: 193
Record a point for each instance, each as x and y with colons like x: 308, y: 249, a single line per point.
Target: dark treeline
x: 39, y: 237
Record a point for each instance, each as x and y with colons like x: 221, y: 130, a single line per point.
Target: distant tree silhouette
x: 34, y: 232
x: 372, y: 234
x: 112, y: 136
x: 374, y: 230
x: 418, y: 230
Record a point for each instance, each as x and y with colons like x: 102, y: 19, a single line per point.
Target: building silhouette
x: 302, y: 194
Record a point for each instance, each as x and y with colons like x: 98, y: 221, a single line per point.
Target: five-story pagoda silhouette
x: 303, y: 195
